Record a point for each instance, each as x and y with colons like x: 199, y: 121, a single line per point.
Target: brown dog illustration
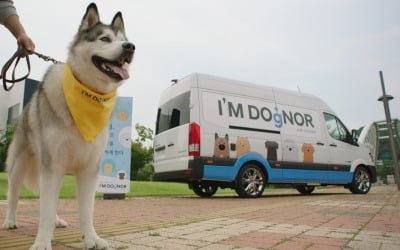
x: 308, y: 151
x: 272, y: 147
x: 242, y: 146
x: 221, y: 146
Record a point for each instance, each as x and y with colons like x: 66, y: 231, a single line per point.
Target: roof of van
x: 251, y: 90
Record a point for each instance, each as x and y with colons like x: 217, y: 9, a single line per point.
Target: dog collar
x: 91, y: 111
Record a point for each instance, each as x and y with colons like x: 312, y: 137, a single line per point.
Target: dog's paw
x: 41, y: 245
x: 10, y: 225
x: 95, y: 242
x: 60, y: 223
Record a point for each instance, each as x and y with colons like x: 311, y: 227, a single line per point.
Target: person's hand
x: 15, y: 27
x: 25, y: 41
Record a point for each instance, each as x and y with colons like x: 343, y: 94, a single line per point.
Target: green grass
x: 138, y: 189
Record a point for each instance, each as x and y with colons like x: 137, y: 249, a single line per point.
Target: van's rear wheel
x: 250, y: 182
x: 361, y: 181
x: 304, y: 189
x: 204, y: 189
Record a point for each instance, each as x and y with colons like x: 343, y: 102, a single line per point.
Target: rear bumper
x: 194, y: 171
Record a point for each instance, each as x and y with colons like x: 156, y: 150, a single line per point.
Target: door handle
x: 159, y: 148
x: 320, y: 143
x: 171, y: 144
x: 333, y: 145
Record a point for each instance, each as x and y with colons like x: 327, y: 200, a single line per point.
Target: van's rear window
x: 173, y: 113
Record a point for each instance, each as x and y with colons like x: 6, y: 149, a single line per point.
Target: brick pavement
x: 331, y: 218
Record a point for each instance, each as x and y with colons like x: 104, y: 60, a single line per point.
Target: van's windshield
x: 173, y: 113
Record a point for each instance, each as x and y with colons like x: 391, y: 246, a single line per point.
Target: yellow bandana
x: 91, y: 111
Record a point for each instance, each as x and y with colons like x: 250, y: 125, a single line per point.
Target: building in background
x: 383, y: 149
x: 377, y: 135
x: 12, y: 102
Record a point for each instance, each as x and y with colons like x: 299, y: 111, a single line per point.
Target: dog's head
x: 221, y: 146
x: 100, y: 54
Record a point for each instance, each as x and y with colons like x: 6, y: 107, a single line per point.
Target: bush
x: 384, y: 171
x: 5, y: 140
x: 139, y: 158
x: 145, y: 173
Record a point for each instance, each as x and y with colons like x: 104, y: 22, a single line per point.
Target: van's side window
x: 175, y: 118
x: 173, y: 113
x: 336, y: 128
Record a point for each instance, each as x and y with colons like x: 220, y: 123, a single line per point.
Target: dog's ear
x: 91, y: 17
x: 118, y: 23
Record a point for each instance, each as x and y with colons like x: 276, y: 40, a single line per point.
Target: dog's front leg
x: 87, y: 181
x: 50, y: 183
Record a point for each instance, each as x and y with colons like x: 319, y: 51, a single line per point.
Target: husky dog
x: 48, y: 141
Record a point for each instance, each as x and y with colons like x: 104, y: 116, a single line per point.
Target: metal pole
x: 385, y: 99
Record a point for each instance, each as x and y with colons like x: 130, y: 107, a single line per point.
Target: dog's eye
x: 105, y: 39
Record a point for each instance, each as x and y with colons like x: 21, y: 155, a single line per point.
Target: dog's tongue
x: 120, y: 71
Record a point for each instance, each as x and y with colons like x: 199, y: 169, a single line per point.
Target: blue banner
x: 116, y: 162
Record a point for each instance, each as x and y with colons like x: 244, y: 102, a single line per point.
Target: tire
x: 204, y: 189
x: 305, y: 189
x: 250, y: 182
x: 361, y: 183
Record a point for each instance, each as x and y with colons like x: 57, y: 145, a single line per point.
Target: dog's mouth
x: 113, y: 69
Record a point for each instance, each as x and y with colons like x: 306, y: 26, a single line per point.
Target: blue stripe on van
x: 229, y: 173
x: 276, y: 175
x: 320, y: 176
x: 221, y: 173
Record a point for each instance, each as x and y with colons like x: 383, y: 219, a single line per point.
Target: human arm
x: 10, y: 19
x: 15, y: 27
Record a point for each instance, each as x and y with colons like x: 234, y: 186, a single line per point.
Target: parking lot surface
x: 330, y: 218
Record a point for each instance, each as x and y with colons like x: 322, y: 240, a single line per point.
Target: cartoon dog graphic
x: 272, y: 147
x: 221, y: 146
x: 290, y: 151
x: 308, y: 151
x: 242, y: 146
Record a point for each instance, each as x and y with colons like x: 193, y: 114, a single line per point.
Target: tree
x: 5, y: 140
x: 139, y: 158
x: 145, y: 173
x: 144, y: 133
x: 141, y: 155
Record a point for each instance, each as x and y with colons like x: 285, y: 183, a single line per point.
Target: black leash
x: 8, y: 84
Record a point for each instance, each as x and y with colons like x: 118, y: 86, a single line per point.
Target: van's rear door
x: 170, y: 147
x: 172, y: 132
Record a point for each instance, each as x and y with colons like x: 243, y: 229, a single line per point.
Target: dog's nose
x: 128, y: 46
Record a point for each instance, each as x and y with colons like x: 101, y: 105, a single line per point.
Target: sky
x: 333, y: 49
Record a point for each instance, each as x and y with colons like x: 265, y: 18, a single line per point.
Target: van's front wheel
x: 203, y: 189
x: 361, y: 181
x: 250, y: 182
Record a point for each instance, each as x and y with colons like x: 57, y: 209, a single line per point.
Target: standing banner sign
x: 116, y: 162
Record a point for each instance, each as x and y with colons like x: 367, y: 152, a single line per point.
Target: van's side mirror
x: 354, y: 136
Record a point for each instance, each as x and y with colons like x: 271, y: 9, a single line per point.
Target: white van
x: 213, y: 132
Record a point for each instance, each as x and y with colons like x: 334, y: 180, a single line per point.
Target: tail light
x: 194, y: 139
